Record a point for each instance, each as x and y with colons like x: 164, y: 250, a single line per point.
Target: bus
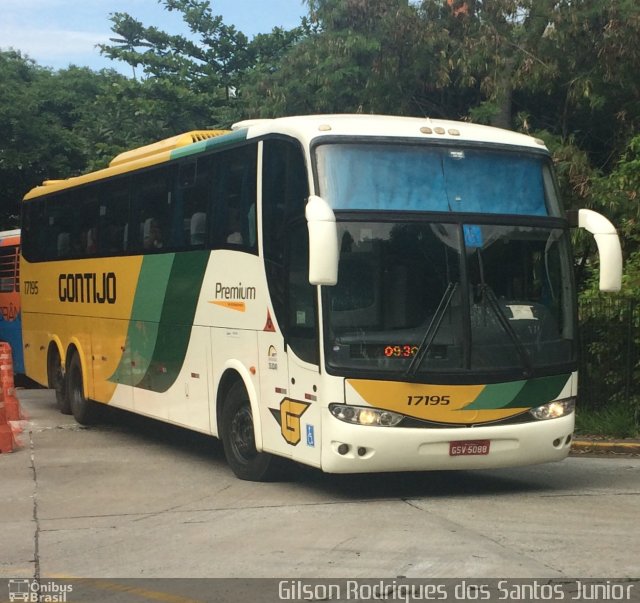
x: 10, y: 318
x: 353, y: 293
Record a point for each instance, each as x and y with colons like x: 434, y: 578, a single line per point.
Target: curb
x: 586, y: 445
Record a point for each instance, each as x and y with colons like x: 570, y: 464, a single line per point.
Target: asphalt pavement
x: 118, y: 508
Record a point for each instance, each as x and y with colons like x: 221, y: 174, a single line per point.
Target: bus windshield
x: 416, y: 297
x: 417, y: 177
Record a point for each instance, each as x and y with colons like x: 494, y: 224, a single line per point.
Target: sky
x: 57, y: 33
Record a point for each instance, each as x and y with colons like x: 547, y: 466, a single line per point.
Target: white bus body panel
x: 409, y: 449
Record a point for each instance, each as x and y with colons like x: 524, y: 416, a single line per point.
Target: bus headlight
x: 554, y: 410
x: 359, y: 415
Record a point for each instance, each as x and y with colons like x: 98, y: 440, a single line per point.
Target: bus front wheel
x: 84, y: 410
x: 239, y: 441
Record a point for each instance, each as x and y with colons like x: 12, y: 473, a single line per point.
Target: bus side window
x: 284, y: 192
x: 8, y: 269
x: 63, y: 244
x: 197, y: 228
x: 89, y: 207
x: 194, y: 193
x: 235, y: 198
x: 152, y: 236
x: 63, y: 237
x: 151, y: 200
x: 302, y: 331
x: 34, y: 222
x: 286, y: 245
x: 114, y: 217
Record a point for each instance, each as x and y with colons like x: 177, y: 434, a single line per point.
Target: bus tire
x: 239, y: 441
x: 84, y: 411
x: 56, y: 381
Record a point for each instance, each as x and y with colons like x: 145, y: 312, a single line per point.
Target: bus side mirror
x: 608, y: 248
x: 323, y: 242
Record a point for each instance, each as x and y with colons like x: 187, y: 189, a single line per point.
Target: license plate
x: 469, y: 448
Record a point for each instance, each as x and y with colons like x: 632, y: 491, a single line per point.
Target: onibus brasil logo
x: 38, y: 591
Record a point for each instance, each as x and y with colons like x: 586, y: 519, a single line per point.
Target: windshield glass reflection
x: 431, y: 297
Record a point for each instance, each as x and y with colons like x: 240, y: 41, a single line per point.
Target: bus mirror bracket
x: 572, y: 217
x: 323, y: 242
x: 608, y: 248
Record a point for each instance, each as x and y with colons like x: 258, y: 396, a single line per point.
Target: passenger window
x: 9, y: 262
x: 152, y: 208
x: 195, y: 192
x: 114, y: 217
x: 284, y: 195
x: 88, y: 207
x: 64, y: 218
x: 35, y: 239
x: 284, y: 192
x: 235, y: 198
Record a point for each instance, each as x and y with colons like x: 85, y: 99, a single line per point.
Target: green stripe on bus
x: 540, y: 391
x: 519, y: 394
x: 145, y: 317
x: 496, y: 395
x: 152, y: 286
x: 174, y: 330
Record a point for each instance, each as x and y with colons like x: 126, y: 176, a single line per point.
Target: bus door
x: 274, y: 386
x: 302, y: 417
x: 290, y: 417
x: 294, y: 358
x: 289, y: 376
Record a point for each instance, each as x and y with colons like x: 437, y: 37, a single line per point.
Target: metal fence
x: 609, y: 352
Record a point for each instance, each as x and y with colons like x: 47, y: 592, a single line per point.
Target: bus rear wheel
x: 84, y: 411
x: 239, y: 442
x: 56, y: 381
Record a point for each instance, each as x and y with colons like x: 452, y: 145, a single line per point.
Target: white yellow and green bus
x: 354, y: 293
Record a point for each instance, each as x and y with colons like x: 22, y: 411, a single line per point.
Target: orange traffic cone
x: 7, y: 441
x: 12, y: 406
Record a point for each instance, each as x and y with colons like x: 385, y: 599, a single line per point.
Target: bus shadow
x: 431, y: 484
x: 550, y: 480
x: 365, y: 486
x: 154, y: 431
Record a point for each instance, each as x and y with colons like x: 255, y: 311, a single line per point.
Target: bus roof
x: 304, y: 128
x: 152, y: 154
x: 307, y: 128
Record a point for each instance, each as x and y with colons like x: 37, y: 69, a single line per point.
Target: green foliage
x: 610, y: 344
x: 214, y: 61
x: 350, y: 57
x: 36, y: 112
x: 619, y: 420
x: 617, y: 195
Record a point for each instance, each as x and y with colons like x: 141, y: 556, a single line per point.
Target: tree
x: 126, y: 114
x: 212, y: 63
x: 560, y: 68
x: 38, y: 142
x: 351, y: 56
x: 617, y: 196
x: 61, y: 124
x: 565, y: 66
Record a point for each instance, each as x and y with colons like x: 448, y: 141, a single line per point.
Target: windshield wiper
x: 432, y: 330
x: 488, y: 294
